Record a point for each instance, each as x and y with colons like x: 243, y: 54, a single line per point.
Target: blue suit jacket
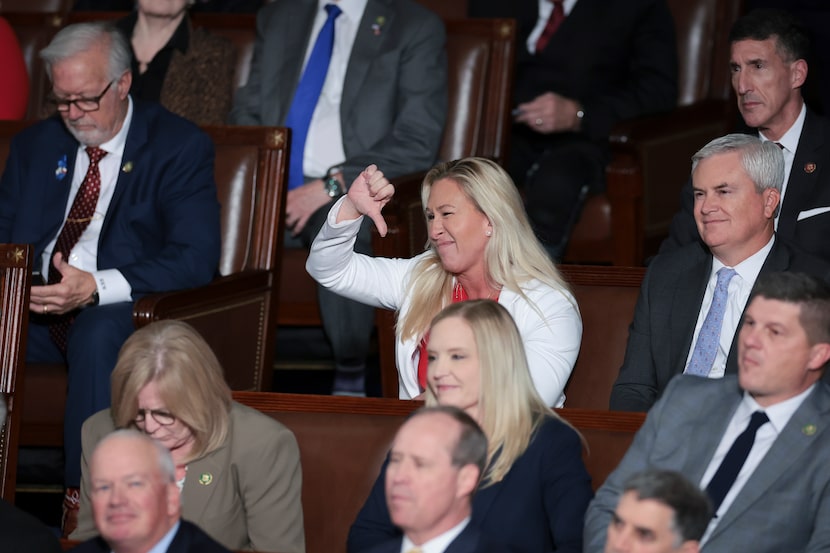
x: 162, y: 226
x: 539, y: 506
x: 785, y: 503
x: 188, y: 539
x: 470, y: 540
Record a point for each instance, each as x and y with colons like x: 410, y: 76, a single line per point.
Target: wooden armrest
x: 678, y: 123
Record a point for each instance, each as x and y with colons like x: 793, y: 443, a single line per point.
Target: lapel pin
x: 60, y: 170
x: 205, y: 479
x: 378, y: 25
x: 127, y: 167
x: 809, y: 429
x: 809, y: 167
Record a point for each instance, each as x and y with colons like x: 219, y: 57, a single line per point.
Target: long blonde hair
x: 509, y: 407
x: 512, y: 256
x: 189, y: 378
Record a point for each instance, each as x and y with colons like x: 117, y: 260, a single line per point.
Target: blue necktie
x: 706, y: 347
x: 736, y: 456
x: 307, y: 94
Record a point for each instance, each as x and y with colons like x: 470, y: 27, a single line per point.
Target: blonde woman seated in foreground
x: 535, y: 489
x: 480, y: 246
x: 238, y: 470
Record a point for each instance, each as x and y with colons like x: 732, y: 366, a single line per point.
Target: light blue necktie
x: 307, y: 94
x: 708, y: 340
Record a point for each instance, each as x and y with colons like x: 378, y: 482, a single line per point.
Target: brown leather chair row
x: 343, y: 442
x: 651, y: 156
x: 15, y: 283
x: 236, y: 313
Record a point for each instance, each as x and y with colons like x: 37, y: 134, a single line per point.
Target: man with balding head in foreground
x: 136, y: 501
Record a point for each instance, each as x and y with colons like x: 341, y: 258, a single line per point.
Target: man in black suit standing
x: 435, y: 465
x: 136, y: 502
x: 768, y: 61
x: 677, y: 325
x: 581, y: 66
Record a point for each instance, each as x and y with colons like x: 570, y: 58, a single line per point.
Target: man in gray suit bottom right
x: 755, y: 441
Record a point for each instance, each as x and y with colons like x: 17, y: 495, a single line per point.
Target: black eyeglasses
x: 83, y: 104
x: 162, y: 417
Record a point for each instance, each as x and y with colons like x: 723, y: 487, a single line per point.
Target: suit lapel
x: 788, y: 449
x: 804, y: 175
x: 204, y: 477
x: 367, y: 45
x: 130, y: 162
x: 292, y: 37
x: 688, y: 297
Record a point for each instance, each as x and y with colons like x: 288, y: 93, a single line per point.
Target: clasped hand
x: 74, y: 290
x: 369, y: 193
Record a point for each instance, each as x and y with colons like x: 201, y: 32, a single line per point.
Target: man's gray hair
x: 762, y: 160
x: 81, y: 37
x: 166, y: 466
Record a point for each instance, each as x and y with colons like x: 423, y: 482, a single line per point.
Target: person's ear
x: 798, y: 73
x: 819, y: 355
x: 468, y: 477
x: 771, y: 198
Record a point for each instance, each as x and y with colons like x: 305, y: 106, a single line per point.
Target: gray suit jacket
x: 666, y: 313
x: 394, y: 101
x: 785, y: 504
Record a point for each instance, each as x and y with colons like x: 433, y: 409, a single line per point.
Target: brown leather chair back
x: 606, y: 297
x: 15, y: 283
x: 34, y: 32
x: 702, y: 29
x: 250, y: 163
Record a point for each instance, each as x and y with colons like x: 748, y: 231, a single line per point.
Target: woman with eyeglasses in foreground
x: 535, y: 490
x: 238, y: 470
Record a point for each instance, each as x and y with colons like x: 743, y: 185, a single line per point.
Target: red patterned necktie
x: 80, y: 214
x: 557, y: 16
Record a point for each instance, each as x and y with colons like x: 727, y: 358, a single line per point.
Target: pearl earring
x: 489, y: 232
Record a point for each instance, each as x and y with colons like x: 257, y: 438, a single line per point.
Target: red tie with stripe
x: 80, y: 214
x: 557, y: 16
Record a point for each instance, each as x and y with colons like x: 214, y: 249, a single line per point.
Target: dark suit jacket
x: 538, y: 506
x: 785, y: 503
x: 188, y: 539
x: 162, y: 227
x: 394, y: 101
x: 618, y: 59
x: 470, y: 540
x: 808, y: 191
x: 666, y: 313
x: 20, y: 532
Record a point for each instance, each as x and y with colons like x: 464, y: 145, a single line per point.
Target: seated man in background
x: 581, y: 67
x: 435, y: 465
x: 768, y: 59
x: 691, y: 300
x: 758, y: 442
x: 358, y: 82
x: 135, y: 500
x: 659, y: 512
x: 118, y: 199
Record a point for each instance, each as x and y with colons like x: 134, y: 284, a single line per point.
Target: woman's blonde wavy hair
x: 509, y: 408
x: 513, y: 255
x: 189, y: 379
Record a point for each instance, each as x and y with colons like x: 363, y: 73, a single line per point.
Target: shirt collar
x: 779, y: 414
x: 164, y: 543
x: 749, y: 268
x: 352, y: 9
x: 439, y: 543
x: 790, y: 138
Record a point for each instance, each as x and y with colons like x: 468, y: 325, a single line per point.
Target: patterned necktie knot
x: 95, y: 154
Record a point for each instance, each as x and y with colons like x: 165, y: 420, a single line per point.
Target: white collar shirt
x: 790, y: 144
x: 439, y: 543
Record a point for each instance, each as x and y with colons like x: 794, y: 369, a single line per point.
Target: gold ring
x: 539, y: 121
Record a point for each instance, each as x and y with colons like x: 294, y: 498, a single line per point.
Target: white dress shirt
x: 164, y: 543
x: 779, y: 415
x: 112, y: 286
x: 739, y: 288
x: 790, y: 144
x: 545, y: 9
x: 439, y: 543
x: 324, y: 144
